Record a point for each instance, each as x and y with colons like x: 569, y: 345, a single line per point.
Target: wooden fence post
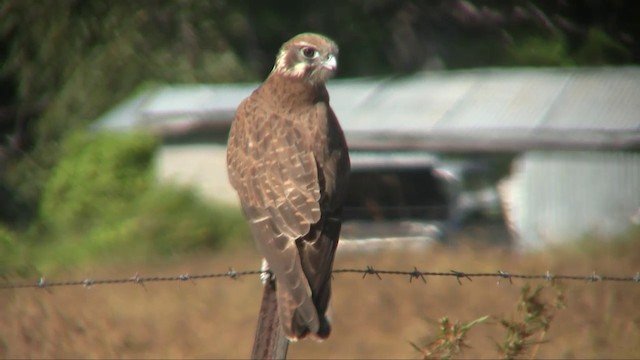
x: 269, y: 341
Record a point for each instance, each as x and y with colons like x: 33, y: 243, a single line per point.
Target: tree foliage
x: 78, y: 58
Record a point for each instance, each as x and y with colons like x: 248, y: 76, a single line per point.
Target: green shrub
x: 12, y: 254
x: 540, y: 51
x: 96, y: 179
x: 599, y: 48
x: 176, y: 219
x: 102, y: 202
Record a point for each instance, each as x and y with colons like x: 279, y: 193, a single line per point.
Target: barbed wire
x: 42, y: 283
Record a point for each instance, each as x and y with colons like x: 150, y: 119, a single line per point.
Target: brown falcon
x: 287, y: 159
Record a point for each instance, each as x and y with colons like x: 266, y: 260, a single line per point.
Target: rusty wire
x: 42, y: 283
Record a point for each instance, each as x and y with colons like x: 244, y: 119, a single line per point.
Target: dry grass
x: 372, y: 318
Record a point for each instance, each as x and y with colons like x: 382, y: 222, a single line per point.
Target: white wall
x: 559, y: 196
x: 203, y: 167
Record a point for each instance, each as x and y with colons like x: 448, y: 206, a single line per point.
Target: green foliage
x: 78, y: 58
x: 174, y: 220
x: 450, y: 341
x: 162, y: 222
x: 12, y: 253
x: 540, y: 51
x: 535, y: 313
x: 101, y: 202
x: 96, y: 179
x: 600, y: 49
x: 597, y: 48
x: 535, y: 310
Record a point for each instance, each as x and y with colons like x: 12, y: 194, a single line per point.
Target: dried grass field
x: 372, y: 318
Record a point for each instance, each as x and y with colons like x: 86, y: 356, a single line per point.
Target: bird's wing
x: 273, y: 169
x: 319, y: 246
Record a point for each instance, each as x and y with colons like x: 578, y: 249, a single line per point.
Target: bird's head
x: 307, y: 56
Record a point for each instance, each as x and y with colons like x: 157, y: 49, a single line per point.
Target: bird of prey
x: 287, y: 159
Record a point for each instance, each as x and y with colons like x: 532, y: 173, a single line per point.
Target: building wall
x: 558, y: 196
x: 200, y: 166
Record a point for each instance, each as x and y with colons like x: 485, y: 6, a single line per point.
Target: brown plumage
x: 287, y: 159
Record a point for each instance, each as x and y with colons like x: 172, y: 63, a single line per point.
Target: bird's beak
x: 330, y: 63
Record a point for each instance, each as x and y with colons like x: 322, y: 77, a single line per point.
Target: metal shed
x: 574, y: 132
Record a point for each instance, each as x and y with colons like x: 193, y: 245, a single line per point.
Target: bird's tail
x: 300, y: 329
x: 300, y: 320
x: 317, y: 254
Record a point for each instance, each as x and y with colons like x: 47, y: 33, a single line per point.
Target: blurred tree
x: 77, y: 58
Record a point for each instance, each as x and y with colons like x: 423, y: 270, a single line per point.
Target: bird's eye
x: 309, y: 52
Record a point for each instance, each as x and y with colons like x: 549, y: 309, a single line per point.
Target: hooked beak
x: 330, y: 63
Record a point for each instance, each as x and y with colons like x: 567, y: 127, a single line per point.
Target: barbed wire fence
x: 269, y: 341
x: 411, y: 275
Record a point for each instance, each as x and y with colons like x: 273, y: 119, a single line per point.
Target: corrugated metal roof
x: 475, y: 109
x: 194, y: 99
x: 124, y: 116
x: 515, y: 100
x: 607, y: 100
